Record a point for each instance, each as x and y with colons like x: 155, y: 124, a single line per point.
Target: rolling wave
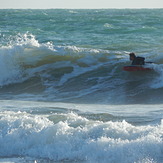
x: 70, y: 73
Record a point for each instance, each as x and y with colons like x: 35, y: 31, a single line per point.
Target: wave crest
x: 73, y: 73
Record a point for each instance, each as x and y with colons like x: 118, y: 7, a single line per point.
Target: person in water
x: 136, y: 60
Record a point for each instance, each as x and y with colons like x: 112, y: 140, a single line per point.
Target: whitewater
x: 64, y: 96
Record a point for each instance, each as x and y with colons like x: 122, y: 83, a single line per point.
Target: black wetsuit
x: 138, y: 61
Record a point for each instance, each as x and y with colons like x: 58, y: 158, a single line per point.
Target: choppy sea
x: 64, y: 96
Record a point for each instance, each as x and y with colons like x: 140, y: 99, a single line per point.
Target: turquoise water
x: 64, y: 96
x: 125, y: 30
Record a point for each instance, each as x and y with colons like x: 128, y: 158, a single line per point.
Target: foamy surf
x: 61, y: 132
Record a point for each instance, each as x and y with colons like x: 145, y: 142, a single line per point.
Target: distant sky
x: 43, y: 4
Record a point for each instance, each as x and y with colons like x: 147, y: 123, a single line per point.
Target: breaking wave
x: 76, y: 138
x: 70, y: 73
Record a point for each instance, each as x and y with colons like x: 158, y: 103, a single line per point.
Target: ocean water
x: 64, y: 96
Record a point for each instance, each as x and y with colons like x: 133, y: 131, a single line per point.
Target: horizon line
x: 79, y: 8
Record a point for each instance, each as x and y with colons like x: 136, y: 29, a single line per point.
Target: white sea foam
x: 77, y: 138
x: 12, y: 58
